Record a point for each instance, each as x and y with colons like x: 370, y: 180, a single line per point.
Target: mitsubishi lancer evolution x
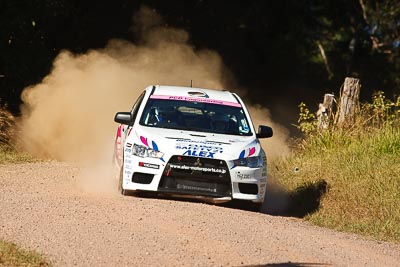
x: 191, y: 142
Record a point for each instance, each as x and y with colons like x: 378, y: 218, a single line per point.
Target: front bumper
x: 194, y: 176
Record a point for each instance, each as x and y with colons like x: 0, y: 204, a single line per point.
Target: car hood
x: 198, y: 144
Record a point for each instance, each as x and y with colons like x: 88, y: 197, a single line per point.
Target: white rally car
x: 191, y: 142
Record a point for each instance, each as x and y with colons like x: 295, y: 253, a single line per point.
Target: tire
x: 120, y: 181
x: 245, y: 205
x: 256, y: 207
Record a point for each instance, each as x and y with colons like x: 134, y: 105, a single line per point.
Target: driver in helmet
x: 220, y: 123
x: 162, y: 115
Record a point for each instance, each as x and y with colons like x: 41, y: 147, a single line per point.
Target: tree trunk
x: 349, y: 101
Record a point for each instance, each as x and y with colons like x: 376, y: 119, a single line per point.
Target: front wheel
x: 120, y: 181
x: 245, y: 205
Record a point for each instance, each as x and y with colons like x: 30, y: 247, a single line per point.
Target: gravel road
x: 43, y: 206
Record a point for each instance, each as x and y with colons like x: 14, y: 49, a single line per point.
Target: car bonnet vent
x: 197, y: 94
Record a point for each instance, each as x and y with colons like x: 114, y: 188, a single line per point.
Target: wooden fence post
x: 324, y: 112
x: 349, y: 101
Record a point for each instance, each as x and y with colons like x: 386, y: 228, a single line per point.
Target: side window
x: 136, y: 107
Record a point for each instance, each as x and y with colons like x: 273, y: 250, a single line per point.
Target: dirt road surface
x: 43, y: 207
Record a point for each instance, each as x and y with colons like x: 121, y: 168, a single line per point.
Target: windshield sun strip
x: 197, y: 99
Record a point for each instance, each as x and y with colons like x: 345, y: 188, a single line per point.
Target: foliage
x: 307, y: 122
x: 11, y: 155
x: 8, y: 151
x: 6, y: 127
x: 361, y: 167
x: 380, y: 112
x: 11, y: 255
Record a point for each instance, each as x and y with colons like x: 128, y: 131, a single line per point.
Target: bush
x: 6, y: 127
x: 360, y: 163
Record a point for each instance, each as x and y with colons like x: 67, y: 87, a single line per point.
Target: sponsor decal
x: 154, y: 145
x: 245, y: 126
x: 264, y: 169
x: 197, y: 168
x: 144, y: 141
x: 149, y: 165
x: 118, y: 151
x: 128, y: 167
x: 196, y: 99
x: 199, y: 150
x: 128, y: 150
x: 243, y: 176
x: 119, y: 130
x: 122, y: 130
x: 247, y: 152
x: 203, y: 154
x: 130, y: 130
x: 195, y: 188
x: 252, y: 151
x: 118, y: 144
x: 261, y: 192
x: 128, y: 145
x: 197, y: 142
x: 128, y: 172
x: 128, y: 161
x: 118, y: 141
x: 236, y: 141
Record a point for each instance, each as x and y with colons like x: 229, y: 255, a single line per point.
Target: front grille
x: 196, y: 176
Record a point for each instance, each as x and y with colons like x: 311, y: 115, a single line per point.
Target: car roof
x: 194, y: 92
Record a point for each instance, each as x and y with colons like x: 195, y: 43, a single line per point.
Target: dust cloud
x: 69, y: 115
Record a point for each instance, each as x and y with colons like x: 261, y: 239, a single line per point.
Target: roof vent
x: 197, y: 94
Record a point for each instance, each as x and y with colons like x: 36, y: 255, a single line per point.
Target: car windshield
x: 200, y: 116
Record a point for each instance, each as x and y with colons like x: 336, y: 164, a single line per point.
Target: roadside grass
x: 7, y: 122
x: 8, y: 152
x: 12, y: 256
x: 361, y: 166
x: 10, y: 155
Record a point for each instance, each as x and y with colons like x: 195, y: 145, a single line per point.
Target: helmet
x: 161, y: 114
x: 220, y: 122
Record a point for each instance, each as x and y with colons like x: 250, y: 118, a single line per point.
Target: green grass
x: 8, y: 132
x: 362, y: 169
x: 10, y: 155
x: 11, y: 255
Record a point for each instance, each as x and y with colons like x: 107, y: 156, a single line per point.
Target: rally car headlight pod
x: 251, y: 162
x: 145, y: 152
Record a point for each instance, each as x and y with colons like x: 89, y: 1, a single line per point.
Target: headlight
x: 251, y: 162
x: 145, y: 152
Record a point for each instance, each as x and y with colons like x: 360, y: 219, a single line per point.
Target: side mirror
x: 264, y: 132
x: 123, y: 118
